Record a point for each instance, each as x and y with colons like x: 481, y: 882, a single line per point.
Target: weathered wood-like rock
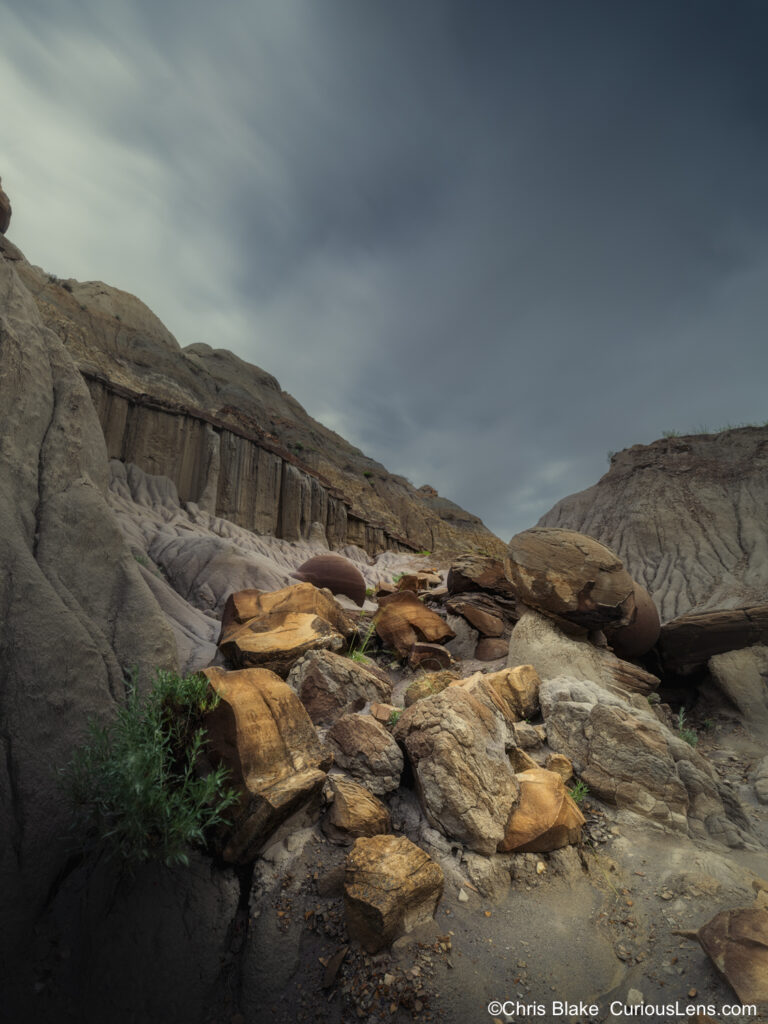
x: 331, y: 685
x: 262, y: 733
x: 485, y: 621
x: 5, y: 210
x: 390, y: 887
x: 571, y: 578
x: 517, y: 689
x: 428, y: 684
x: 334, y: 573
x: 688, y: 642
x: 273, y: 630
x: 430, y: 656
x: 736, y: 941
x: 545, y: 818
x: 365, y: 749
x: 473, y: 573
x: 402, y: 621
x: 354, y: 812
x: 456, y: 743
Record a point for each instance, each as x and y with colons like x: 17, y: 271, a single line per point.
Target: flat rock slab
x: 689, y: 641
x: 390, y: 887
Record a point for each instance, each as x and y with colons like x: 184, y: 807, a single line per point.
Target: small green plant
x: 670, y: 433
x: 683, y: 731
x: 142, y: 560
x: 708, y: 724
x: 367, y: 473
x: 394, y: 718
x: 359, y: 646
x: 397, y: 577
x: 578, y: 792
x: 369, y: 591
x: 136, y: 786
x: 424, y: 553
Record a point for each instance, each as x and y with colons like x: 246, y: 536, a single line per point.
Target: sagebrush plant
x: 683, y: 731
x: 578, y: 792
x: 136, y: 784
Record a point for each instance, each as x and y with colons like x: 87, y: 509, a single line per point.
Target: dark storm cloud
x: 486, y: 243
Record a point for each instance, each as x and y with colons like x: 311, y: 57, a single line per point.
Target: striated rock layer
x: 686, y: 515
x: 230, y: 438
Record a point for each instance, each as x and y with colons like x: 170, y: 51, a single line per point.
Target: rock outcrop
x: 686, y: 515
x: 5, y: 210
x: 76, y: 616
x: 230, y: 438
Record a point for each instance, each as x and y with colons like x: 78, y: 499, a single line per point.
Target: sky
x: 487, y: 243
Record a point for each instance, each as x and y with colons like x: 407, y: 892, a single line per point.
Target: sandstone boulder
x: 5, y: 210
x: 456, y: 743
x: 537, y: 640
x: 354, y: 812
x: 262, y: 733
x: 334, y: 573
x: 427, y: 685
x: 274, y: 630
x: 472, y: 573
x: 517, y: 688
x: 402, y: 621
x: 689, y: 641
x: 736, y: 941
x: 545, y: 818
x: 570, y: 577
x: 365, y: 749
x: 743, y: 677
x: 482, y: 617
x: 561, y: 764
x: 331, y: 685
x: 491, y: 648
x: 639, y: 636
x: 628, y: 758
x: 390, y: 887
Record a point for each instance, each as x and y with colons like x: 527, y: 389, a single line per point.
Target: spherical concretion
x: 642, y: 633
x: 336, y: 573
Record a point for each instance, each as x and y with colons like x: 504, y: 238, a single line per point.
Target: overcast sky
x: 485, y: 241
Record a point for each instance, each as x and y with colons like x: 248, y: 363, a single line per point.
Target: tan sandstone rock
x: 365, y: 749
x: 354, y: 812
x: 561, y: 764
x: 390, y: 887
x: 331, y: 685
x: 403, y: 620
x: 570, y: 577
x: 262, y: 733
x: 456, y: 743
x: 273, y: 630
x: 545, y: 818
x: 428, y: 684
x: 517, y: 688
x: 472, y: 573
x: 736, y: 941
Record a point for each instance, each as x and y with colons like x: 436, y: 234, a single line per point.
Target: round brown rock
x: 336, y: 573
x: 5, y: 210
x: 570, y: 577
x: 642, y: 633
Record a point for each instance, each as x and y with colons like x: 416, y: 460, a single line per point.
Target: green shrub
x: 394, y: 718
x: 683, y: 732
x: 578, y: 792
x: 359, y: 646
x: 136, y: 786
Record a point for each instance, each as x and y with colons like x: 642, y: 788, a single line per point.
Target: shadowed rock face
x: 686, y: 515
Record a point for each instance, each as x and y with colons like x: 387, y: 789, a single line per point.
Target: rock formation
x: 686, y: 515
x: 5, y: 210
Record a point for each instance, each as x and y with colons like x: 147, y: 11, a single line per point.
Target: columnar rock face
x: 230, y: 439
x: 75, y: 614
x: 390, y: 887
x: 686, y: 515
x: 262, y: 733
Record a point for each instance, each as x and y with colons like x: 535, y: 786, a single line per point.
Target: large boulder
x: 517, y: 688
x: 472, y: 573
x: 76, y: 617
x: 364, y: 748
x: 262, y: 733
x: 331, y: 685
x: 628, y: 758
x: 537, y: 640
x: 274, y: 630
x: 390, y: 887
x: 689, y: 641
x: 570, y: 577
x: 427, y: 685
x: 546, y: 817
x: 354, y: 812
x: 403, y: 620
x: 639, y: 636
x: 456, y: 742
x: 736, y: 941
x: 743, y: 677
x: 334, y: 573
